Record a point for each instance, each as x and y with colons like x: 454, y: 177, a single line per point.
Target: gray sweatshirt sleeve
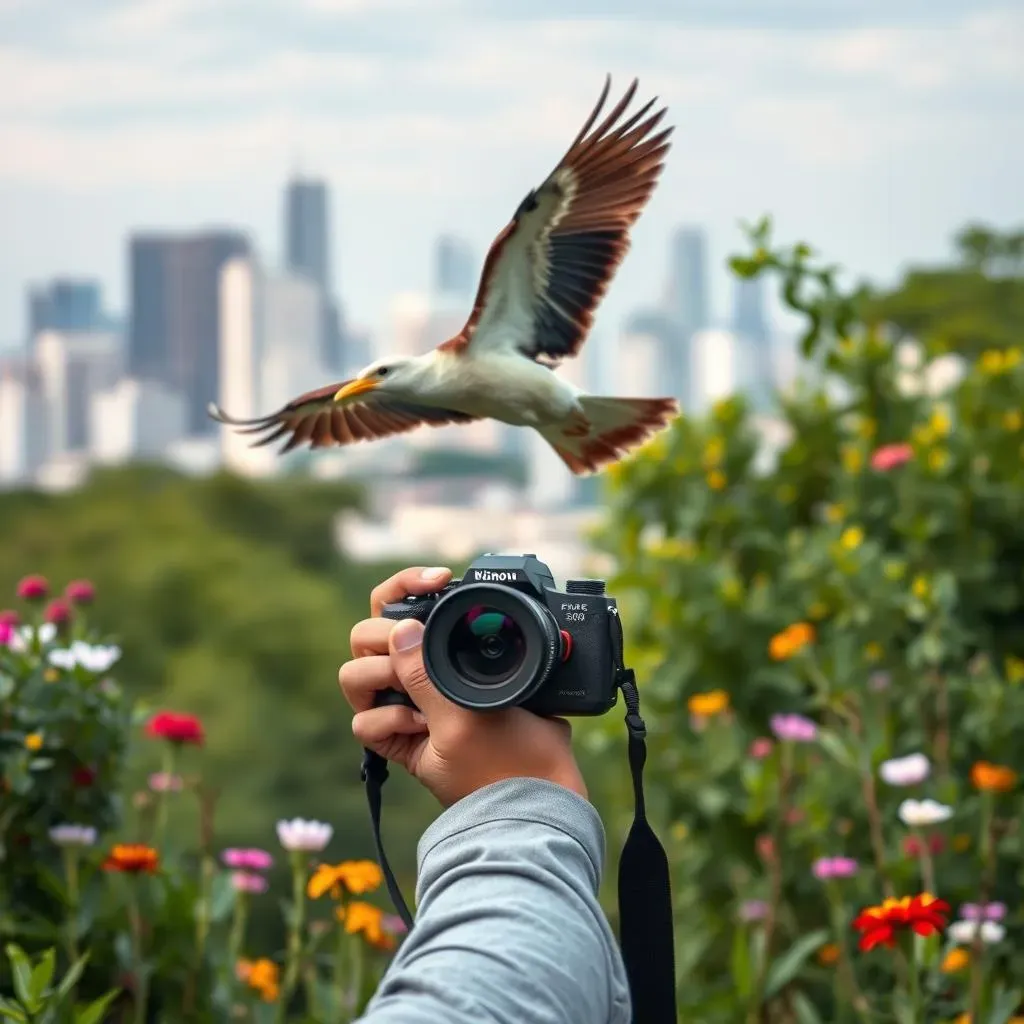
x: 508, y: 926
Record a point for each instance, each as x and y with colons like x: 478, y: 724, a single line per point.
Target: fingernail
x: 419, y: 718
x: 433, y: 574
x: 407, y: 634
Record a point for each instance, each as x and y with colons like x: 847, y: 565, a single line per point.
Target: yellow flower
x: 834, y: 513
x: 261, y: 976
x: 354, y: 876
x: 955, y: 960
x: 51, y: 675
x: 828, y: 954
x: 1013, y: 420
x: 366, y: 919
x: 713, y: 452
x: 921, y: 588
x: 940, y: 423
x: 991, y: 361
x: 1014, y: 668
x: 791, y: 641
x: 716, y: 480
x: 1011, y: 357
x: 852, y: 458
x: 706, y: 705
x: 852, y: 538
x: 34, y: 741
x: 680, y: 831
x: 938, y: 459
x: 873, y: 651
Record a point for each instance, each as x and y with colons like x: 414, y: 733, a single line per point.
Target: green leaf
x: 12, y: 1011
x: 804, y: 1009
x: 789, y: 965
x: 21, y: 969
x: 742, y: 972
x: 68, y: 982
x: 1004, y: 1004
x: 836, y: 748
x: 42, y: 975
x: 93, y: 1013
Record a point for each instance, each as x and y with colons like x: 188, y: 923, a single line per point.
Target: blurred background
x: 238, y: 202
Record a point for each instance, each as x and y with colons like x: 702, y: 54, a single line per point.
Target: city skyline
x: 873, y: 131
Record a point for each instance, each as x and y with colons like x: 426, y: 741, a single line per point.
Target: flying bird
x: 541, y: 283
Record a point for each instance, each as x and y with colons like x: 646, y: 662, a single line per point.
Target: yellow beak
x: 359, y: 386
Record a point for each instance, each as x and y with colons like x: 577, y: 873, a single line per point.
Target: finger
x: 377, y: 725
x: 406, y: 643
x: 370, y: 636
x: 362, y: 679
x: 409, y: 581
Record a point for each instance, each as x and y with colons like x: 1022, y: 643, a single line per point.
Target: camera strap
x: 645, y: 893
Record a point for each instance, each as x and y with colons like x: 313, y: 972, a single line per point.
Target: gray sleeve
x: 508, y: 925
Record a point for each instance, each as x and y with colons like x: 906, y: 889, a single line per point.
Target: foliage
x: 155, y: 913
x: 864, y: 576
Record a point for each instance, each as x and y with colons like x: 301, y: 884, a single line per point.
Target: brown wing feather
x: 317, y: 420
x: 568, y: 237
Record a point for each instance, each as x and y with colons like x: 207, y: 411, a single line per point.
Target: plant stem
x: 358, y: 969
x: 846, y: 972
x: 236, y: 939
x: 924, y: 859
x: 71, y: 939
x: 988, y: 865
x: 338, y: 985
x: 875, y: 829
x: 141, y: 979
x: 169, y: 764
x: 298, y: 917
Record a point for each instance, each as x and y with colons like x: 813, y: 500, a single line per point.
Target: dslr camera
x: 503, y: 636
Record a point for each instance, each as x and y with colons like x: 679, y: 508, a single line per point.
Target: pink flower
x: 33, y: 588
x: 891, y: 456
x: 9, y: 617
x: 834, y: 867
x: 794, y: 728
x: 246, y: 881
x: 6, y: 633
x: 80, y: 592
x: 983, y: 911
x: 248, y: 859
x: 58, y: 612
x: 753, y: 910
x: 165, y: 782
x: 761, y: 748
x: 393, y: 924
x: 176, y: 728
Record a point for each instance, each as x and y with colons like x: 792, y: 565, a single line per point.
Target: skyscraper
x: 455, y: 269
x: 688, y: 300
x: 748, y: 317
x: 65, y: 304
x: 174, y: 320
x: 750, y: 324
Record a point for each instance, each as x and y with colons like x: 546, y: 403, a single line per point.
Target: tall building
x: 717, y: 367
x: 688, y: 301
x: 655, y: 357
x: 136, y: 420
x: 750, y: 323
x: 22, y: 424
x: 455, y: 270
x: 65, y: 304
x: 175, y: 313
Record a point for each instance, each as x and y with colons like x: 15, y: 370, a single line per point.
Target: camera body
x: 503, y: 636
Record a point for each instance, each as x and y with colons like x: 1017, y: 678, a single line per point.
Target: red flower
x: 58, y: 612
x: 167, y: 725
x: 80, y: 592
x: 879, y: 925
x: 913, y: 847
x: 891, y: 456
x: 132, y: 858
x: 33, y: 588
x: 9, y: 618
x: 82, y: 776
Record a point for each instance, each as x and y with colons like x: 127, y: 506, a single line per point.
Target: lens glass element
x: 486, y: 646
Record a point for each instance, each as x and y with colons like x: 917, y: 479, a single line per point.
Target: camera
x: 503, y: 636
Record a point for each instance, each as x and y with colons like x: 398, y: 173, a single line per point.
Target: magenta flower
x: 165, y: 782
x: 33, y: 588
x: 834, y: 867
x: 393, y: 924
x: 761, y: 748
x: 793, y: 728
x: 247, y: 881
x: 891, y: 456
x: 248, y: 859
x: 753, y: 910
x: 8, y: 617
x: 6, y: 633
x: 58, y: 612
x: 80, y: 592
x: 983, y: 911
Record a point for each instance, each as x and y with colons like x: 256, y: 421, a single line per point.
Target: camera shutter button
x: 585, y: 586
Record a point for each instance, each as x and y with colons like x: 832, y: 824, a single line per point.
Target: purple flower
x: 248, y: 859
x: 983, y: 911
x: 753, y: 910
x: 834, y: 867
x: 247, y: 881
x: 794, y: 728
x: 393, y: 924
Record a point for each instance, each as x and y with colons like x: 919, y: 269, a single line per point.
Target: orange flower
x: 791, y: 641
x: 879, y: 925
x: 956, y: 960
x: 367, y: 919
x: 993, y: 778
x: 828, y: 954
x: 706, y: 705
x: 355, y: 876
x: 262, y: 976
x: 132, y: 858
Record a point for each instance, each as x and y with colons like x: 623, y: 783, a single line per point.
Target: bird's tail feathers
x: 611, y: 427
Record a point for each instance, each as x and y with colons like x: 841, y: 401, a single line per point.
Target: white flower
x: 964, y: 932
x: 905, y: 771
x: 73, y: 835
x: 93, y: 658
x: 46, y: 634
x: 918, y: 813
x: 307, y: 836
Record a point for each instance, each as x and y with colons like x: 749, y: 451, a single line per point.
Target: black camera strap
x: 645, y: 891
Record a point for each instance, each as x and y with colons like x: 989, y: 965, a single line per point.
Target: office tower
x: 655, y: 354
x: 757, y: 374
x: 175, y: 313
x: 135, y: 419
x: 455, y: 270
x: 22, y: 424
x: 688, y: 300
x: 65, y: 304
x: 717, y: 366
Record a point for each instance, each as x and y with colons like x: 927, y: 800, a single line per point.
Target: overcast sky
x: 872, y: 128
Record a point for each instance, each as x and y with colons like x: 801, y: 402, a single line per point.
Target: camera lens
x: 490, y: 646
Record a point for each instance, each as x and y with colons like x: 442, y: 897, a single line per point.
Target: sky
x: 870, y: 128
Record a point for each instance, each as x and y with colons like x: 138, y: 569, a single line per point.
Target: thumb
x: 405, y: 645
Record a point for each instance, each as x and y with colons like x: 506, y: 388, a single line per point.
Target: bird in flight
x: 541, y: 283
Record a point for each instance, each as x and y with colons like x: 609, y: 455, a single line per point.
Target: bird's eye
x: 382, y: 372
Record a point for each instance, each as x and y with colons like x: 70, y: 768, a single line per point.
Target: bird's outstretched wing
x: 317, y: 419
x: 551, y: 265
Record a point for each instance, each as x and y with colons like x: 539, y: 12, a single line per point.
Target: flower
x: 45, y: 634
x: 299, y: 835
x: 175, y: 728
x: 367, y: 919
x: 165, y: 782
x: 248, y: 881
x: 6, y: 633
x: 891, y: 456
x: 132, y: 858
x: 993, y: 778
x: 73, y: 835
x: 834, y: 867
x: 955, y: 961
x: 94, y: 658
x: 33, y: 588
x: 357, y: 876
x: 761, y: 748
x: 705, y: 705
x: 965, y: 932
x: 905, y: 771
x: 753, y: 910
x: 828, y: 954
x: 58, y: 612
x: 793, y: 728
x: 983, y: 911
x: 394, y: 924
x: 879, y: 925
x: 82, y: 776
x: 879, y: 681
x: 262, y: 976
x: 716, y: 480
x: 913, y: 846
x: 80, y: 592
x: 34, y: 741
x: 248, y: 859
x: 791, y: 641
x: 8, y: 617
x: 919, y: 813
x: 852, y: 538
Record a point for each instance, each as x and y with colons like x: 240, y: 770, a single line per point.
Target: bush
x: 132, y: 904
x: 803, y: 621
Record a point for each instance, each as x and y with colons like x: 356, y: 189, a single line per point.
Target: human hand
x: 451, y: 750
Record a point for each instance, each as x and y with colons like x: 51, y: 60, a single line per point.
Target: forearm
x: 508, y: 926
